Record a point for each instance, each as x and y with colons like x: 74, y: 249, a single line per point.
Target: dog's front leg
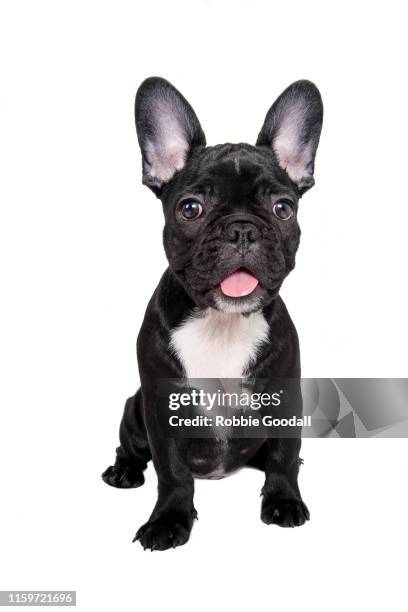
x: 282, y: 503
x: 172, y: 519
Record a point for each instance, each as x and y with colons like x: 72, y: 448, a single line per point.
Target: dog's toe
x: 157, y: 535
x: 123, y: 477
x: 284, y: 512
x: 165, y: 532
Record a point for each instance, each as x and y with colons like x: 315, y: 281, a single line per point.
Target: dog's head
x: 231, y: 232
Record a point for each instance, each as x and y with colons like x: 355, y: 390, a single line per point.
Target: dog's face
x: 231, y: 232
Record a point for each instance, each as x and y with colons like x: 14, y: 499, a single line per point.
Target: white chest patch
x: 213, y: 344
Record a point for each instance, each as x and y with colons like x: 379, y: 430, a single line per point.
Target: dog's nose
x: 242, y: 234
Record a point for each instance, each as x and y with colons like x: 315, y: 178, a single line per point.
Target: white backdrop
x: 81, y: 253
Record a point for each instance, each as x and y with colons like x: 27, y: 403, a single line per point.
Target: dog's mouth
x: 239, y: 284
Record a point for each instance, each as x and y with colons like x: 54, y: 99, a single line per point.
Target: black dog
x: 230, y: 236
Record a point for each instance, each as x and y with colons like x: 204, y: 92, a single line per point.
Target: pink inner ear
x: 167, y: 152
x: 293, y: 155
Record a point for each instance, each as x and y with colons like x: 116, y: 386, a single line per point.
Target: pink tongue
x: 238, y: 284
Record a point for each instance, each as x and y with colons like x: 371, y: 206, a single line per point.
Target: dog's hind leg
x: 133, y: 453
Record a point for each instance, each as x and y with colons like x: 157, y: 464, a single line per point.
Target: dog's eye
x: 283, y: 210
x: 191, y: 209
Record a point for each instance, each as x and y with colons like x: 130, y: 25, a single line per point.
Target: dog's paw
x: 284, y: 512
x: 165, y: 532
x: 123, y: 477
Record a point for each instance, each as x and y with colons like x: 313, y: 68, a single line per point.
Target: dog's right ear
x: 167, y: 129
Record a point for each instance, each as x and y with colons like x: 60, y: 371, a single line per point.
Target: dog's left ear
x: 167, y: 129
x: 292, y: 129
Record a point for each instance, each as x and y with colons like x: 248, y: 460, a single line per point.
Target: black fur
x: 238, y: 186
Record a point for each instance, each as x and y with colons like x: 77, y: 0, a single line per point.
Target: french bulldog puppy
x: 230, y: 237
